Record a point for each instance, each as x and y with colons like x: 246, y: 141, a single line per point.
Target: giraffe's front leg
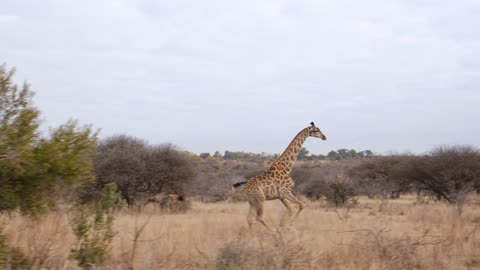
x: 288, y: 215
x: 289, y: 196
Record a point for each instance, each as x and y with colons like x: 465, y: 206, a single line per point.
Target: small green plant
x: 93, y: 227
x: 12, y: 257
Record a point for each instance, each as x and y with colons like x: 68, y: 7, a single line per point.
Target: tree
x: 139, y: 170
x: 333, y: 155
x: 450, y: 172
x: 204, y: 155
x: 343, y: 153
x: 228, y: 155
x: 340, y: 192
x: 32, y: 168
x: 348, y: 153
x: 217, y: 155
x: 376, y: 176
x: 303, y: 153
x: 366, y: 153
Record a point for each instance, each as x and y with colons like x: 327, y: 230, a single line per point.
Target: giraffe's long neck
x: 284, y: 162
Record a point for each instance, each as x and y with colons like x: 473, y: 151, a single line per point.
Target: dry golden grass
x: 397, y: 234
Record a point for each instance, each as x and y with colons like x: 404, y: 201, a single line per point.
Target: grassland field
x: 405, y: 233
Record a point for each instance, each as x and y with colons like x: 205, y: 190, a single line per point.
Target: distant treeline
x: 304, y: 154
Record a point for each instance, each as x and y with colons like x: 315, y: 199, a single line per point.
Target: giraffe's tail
x: 238, y: 185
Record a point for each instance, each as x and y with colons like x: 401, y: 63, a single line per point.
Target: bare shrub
x: 312, y: 179
x: 392, y: 252
x: 374, y: 176
x: 314, y: 190
x: 341, y: 192
x: 450, y: 172
x: 213, y: 185
x: 140, y: 170
x: 269, y: 254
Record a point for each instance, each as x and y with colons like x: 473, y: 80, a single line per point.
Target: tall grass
x: 375, y: 234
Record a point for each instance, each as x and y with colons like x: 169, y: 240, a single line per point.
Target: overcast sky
x: 248, y: 75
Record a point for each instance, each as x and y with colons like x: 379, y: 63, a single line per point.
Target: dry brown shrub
x: 379, y: 248
x: 178, y: 207
x: 45, y: 240
x: 269, y: 252
x: 139, y: 169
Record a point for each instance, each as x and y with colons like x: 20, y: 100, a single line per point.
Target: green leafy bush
x: 93, y: 227
x: 12, y: 257
x: 32, y: 168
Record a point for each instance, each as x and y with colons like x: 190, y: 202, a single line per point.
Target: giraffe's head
x: 314, y: 131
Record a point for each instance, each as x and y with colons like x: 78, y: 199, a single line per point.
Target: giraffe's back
x: 267, y: 186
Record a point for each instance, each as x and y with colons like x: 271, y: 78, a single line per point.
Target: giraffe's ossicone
x: 276, y: 182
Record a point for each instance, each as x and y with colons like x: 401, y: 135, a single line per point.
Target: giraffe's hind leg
x: 258, y: 205
x: 252, y: 215
x: 289, y: 196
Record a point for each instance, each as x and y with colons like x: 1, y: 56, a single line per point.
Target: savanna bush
x: 12, y: 257
x: 138, y: 169
x: 33, y: 168
x: 313, y: 179
x: 271, y: 254
x: 448, y: 172
x: 340, y: 192
x: 92, y: 225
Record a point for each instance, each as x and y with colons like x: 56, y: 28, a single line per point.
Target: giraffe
x: 276, y: 182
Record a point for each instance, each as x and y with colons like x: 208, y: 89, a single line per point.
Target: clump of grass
x: 179, y: 207
x: 378, y: 246
x: 273, y: 253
